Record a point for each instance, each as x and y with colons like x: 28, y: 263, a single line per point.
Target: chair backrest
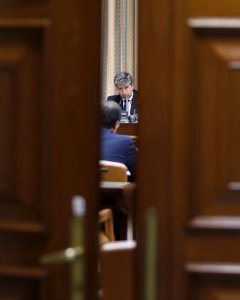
x: 105, y: 219
x: 113, y: 171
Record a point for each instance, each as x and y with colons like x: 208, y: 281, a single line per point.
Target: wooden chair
x: 113, y: 171
x: 105, y: 219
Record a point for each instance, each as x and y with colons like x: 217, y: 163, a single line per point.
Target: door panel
x: 214, y: 169
x: 192, y: 148
x: 46, y: 141
x: 23, y: 183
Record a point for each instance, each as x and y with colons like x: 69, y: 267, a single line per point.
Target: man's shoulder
x: 114, y: 135
x: 135, y: 94
x: 113, y: 98
x: 124, y: 137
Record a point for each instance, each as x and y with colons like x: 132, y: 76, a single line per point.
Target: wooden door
x: 189, y: 86
x: 49, y: 95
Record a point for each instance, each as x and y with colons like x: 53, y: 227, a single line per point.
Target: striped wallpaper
x: 119, y: 42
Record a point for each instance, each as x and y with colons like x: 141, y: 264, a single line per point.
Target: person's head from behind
x: 111, y: 115
x: 124, y: 84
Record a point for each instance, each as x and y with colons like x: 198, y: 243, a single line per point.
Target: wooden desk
x: 123, y: 196
x: 128, y: 128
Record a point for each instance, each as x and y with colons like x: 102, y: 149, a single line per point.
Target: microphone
x: 132, y: 118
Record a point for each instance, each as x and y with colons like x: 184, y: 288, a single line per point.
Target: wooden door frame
x: 76, y: 42
x: 154, y: 71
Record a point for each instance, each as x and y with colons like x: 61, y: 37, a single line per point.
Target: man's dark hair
x: 123, y: 78
x: 111, y: 113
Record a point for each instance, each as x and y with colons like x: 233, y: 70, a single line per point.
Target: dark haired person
x: 116, y: 147
x: 127, y: 97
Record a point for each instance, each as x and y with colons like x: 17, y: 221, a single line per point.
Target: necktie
x: 128, y: 107
x: 124, y: 104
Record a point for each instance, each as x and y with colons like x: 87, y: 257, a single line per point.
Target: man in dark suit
x: 127, y: 97
x: 116, y: 147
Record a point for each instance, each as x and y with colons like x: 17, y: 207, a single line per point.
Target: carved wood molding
x: 25, y: 22
x: 215, y: 222
x: 214, y: 23
x: 24, y: 227
x: 25, y: 272
x: 213, y: 268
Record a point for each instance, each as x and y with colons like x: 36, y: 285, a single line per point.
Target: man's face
x: 125, y: 91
